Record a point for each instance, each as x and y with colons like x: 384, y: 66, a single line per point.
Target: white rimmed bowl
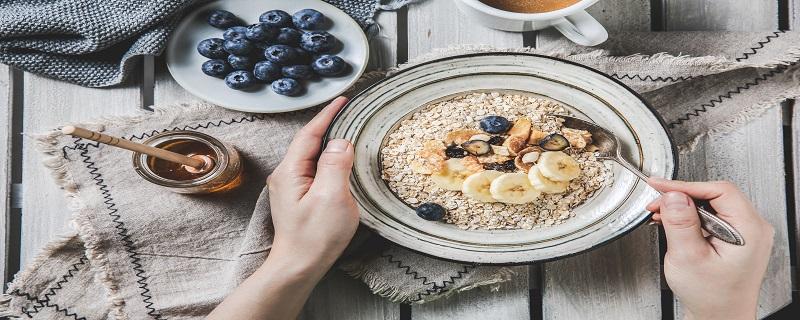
x: 589, y: 94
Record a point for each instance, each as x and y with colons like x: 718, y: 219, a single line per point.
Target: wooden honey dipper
x: 195, y: 164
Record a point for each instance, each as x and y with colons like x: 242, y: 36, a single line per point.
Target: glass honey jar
x: 223, y: 171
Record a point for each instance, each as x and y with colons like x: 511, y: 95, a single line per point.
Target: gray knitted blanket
x: 97, y: 43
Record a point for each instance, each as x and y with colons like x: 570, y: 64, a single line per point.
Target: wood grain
x: 5, y: 167
x: 622, y: 279
x: 508, y: 301
x: 759, y: 171
x: 338, y: 296
x: 733, y: 15
x: 438, y: 24
x: 49, y: 104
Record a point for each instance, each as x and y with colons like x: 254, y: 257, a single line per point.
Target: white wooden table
x: 619, y: 281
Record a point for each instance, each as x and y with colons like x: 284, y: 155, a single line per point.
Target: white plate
x: 184, y: 62
x: 612, y: 212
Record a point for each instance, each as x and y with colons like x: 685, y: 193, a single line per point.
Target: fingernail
x: 651, y: 223
x: 337, y: 146
x: 675, y: 200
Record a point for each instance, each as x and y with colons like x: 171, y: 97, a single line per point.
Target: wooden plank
x: 502, y: 303
x: 794, y: 24
x: 756, y: 170
x: 438, y: 24
x: 48, y: 104
x: 620, y: 280
x: 338, y: 296
x: 5, y: 167
x: 733, y: 15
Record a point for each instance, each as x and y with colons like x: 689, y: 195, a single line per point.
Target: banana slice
x: 545, y: 185
x: 514, y: 188
x: 558, y: 166
x: 452, y: 174
x: 477, y: 185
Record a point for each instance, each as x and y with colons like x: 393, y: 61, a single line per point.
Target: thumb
x: 681, y: 224
x: 334, y: 166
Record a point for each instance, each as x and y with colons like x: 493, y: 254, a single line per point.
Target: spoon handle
x: 710, y: 221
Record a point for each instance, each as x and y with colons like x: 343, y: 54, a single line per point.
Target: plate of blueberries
x: 267, y: 56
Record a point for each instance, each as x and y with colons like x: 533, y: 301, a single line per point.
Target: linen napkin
x: 139, y: 252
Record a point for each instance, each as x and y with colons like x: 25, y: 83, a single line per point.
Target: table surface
x: 621, y: 280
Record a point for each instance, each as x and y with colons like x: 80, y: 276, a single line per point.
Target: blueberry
x: 260, y: 46
x: 286, y: 86
x: 212, y: 48
x: 430, y: 211
x: 317, y: 41
x: 216, y: 68
x: 280, y: 54
x: 276, y: 18
x: 237, y: 32
x: 328, y: 65
x: 308, y: 19
x: 303, y: 57
x: 495, y: 124
x: 267, y: 71
x: 222, y: 19
x: 238, y: 46
x: 454, y: 151
x: 288, y: 36
x: 299, y: 72
x: 240, y: 79
x: 240, y: 62
x: 261, y: 32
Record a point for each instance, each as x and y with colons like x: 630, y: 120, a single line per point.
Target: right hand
x: 711, y: 278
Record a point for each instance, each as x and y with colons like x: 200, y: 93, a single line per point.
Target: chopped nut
x: 536, y: 136
x: 578, y: 139
x: 521, y: 128
x: 515, y: 144
x: 481, y: 137
x: 501, y: 150
x: 460, y: 136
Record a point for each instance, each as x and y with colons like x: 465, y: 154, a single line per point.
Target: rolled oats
x: 434, y: 121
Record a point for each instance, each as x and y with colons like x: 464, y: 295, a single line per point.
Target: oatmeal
x: 492, y: 161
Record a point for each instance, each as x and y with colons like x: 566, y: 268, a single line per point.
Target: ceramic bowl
x: 588, y: 94
x: 184, y: 62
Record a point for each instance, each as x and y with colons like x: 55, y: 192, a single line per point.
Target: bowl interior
x: 613, y: 211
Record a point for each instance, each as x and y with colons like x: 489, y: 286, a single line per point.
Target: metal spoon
x: 609, y: 147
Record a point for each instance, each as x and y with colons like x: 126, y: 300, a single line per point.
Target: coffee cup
x: 573, y: 21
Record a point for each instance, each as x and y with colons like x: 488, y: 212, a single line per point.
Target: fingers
x: 305, y: 147
x: 682, y: 225
x: 333, y: 169
x: 724, y: 196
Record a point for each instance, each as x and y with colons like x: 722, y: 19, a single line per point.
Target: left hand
x: 314, y: 214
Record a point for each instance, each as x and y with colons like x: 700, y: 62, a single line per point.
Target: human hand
x: 313, y: 212
x: 711, y: 278
x: 314, y: 216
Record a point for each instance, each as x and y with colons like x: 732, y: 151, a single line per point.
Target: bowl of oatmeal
x: 466, y: 158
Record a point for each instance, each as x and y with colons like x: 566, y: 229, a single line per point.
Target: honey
x: 177, y: 171
x: 223, y: 171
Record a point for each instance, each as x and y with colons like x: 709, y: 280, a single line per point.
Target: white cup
x: 573, y: 21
